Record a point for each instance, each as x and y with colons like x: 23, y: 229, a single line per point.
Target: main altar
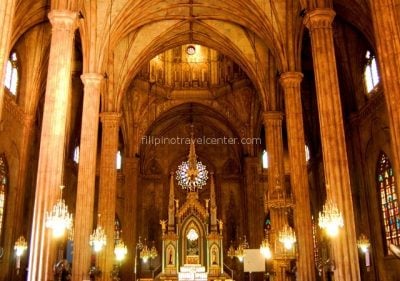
x: 192, y: 247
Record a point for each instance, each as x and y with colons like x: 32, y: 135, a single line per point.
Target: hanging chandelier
x: 120, y: 250
x: 287, y: 237
x: 59, y: 219
x: 265, y: 248
x: 192, y: 174
x: 146, y: 253
x: 330, y: 219
x: 98, y: 239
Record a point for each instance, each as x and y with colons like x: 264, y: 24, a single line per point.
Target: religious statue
x: 220, y: 225
x: 214, y: 256
x: 163, y: 226
x: 170, y: 257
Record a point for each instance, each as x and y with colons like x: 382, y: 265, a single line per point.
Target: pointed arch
x: 388, y: 201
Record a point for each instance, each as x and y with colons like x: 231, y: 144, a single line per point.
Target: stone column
x: 387, y: 38
x: 278, y: 201
x: 319, y: 22
x: 108, y: 188
x: 290, y: 82
x: 86, y: 176
x: 6, y: 18
x: 52, y: 145
x: 129, y: 233
x: 254, y: 199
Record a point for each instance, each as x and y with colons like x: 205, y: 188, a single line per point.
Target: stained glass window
x: 11, y: 78
x: 3, y: 184
x: 389, y: 201
x: 371, y: 75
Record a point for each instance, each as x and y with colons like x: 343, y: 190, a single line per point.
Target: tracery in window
x: 264, y: 156
x: 371, y: 75
x: 11, y: 78
x: 3, y: 184
x: 389, y: 201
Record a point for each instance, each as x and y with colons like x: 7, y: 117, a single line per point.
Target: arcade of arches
x: 85, y: 81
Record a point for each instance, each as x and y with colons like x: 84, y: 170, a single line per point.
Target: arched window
x: 264, y: 156
x: 371, y: 75
x: 308, y: 156
x: 3, y: 185
x: 389, y: 201
x: 119, y: 160
x: 11, y: 78
x: 76, y: 155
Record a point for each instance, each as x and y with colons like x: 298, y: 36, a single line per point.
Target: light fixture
x: 99, y: 238
x: 153, y: 252
x: 287, y: 237
x: 239, y: 252
x: 330, y: 219
x: 120, y: 250
x: 146, y: 253
x: 231, y: 251
x: 265, y: 248
x: 192, y: 174
x: 363, y: 243
x: 59, y: 219
x: 192, y: 235
x: 20, y: 247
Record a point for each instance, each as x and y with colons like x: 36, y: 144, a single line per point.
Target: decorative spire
x: 171, y: 204
x: 213, y: 204
x: 212, y: 191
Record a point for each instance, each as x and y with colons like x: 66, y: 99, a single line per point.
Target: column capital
x: 110, y: 118
x: 90, y: 79
x: 272, y: 115
x: 291, y: 79
x: 319, y: 18
x: 63, y: 19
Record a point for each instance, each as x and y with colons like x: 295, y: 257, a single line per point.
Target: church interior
x: 199, y: 140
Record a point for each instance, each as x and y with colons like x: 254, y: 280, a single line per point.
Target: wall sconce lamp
x: 20, y: 247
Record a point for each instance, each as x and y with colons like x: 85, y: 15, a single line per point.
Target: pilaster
x: 108, y: 188
x: 290, y: 82
x: 86, y: 175
x: 51, y: 155
x: 319, y: 22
